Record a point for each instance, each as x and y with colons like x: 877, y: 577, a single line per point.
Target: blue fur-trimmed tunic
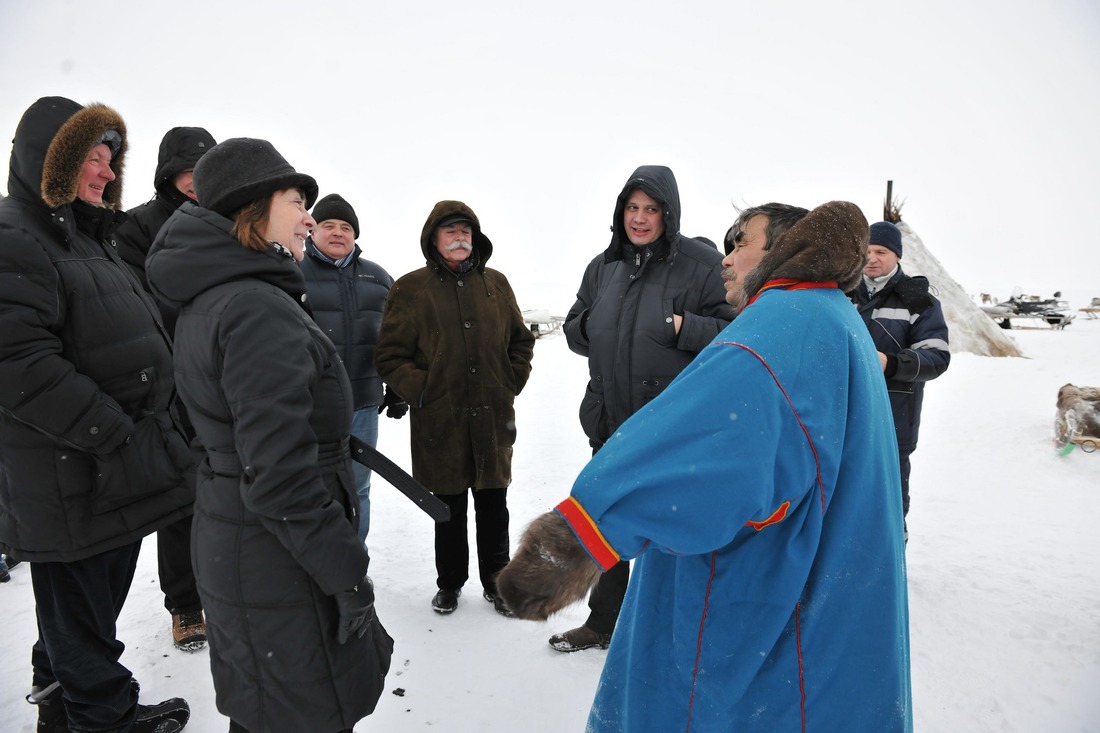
x: 759, y: 498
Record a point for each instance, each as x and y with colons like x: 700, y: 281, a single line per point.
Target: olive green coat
x: 455, y: 347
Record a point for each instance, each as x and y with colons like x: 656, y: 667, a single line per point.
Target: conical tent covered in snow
x: 971, y: 329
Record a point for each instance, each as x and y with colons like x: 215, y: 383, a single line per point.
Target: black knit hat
x: 240, y: 170
x: 334, y: 206
x: 887, y: 235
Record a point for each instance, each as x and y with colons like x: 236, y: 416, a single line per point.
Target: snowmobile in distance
x: 1053, y: 311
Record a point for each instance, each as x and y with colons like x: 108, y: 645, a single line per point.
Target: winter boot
x: 189, y: 631
x: 446, y: 600
x: 498, y: 604
x: 169, y: 716
x: 579, y: 638
x: 51, y: 709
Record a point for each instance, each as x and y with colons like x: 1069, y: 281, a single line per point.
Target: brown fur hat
x: 550, y: 570
x: 68, y: 150
x: 828, y: 244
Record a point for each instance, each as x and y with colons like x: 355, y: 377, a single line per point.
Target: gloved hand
x: 356, y: 609
x: 394, y: 406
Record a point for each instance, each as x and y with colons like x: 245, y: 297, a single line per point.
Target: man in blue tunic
x: 759, y: 498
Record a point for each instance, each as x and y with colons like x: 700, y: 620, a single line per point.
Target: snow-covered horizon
x: 1004, y: 572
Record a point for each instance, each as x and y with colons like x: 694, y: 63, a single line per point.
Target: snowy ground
x: 1004, y: 572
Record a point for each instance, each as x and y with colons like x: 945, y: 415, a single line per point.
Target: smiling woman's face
x: 288, y: 221
x: 95, y: 175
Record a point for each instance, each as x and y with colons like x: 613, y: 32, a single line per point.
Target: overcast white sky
x: 983, y: 113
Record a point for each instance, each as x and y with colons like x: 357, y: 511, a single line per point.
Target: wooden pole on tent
x: 887, y: 207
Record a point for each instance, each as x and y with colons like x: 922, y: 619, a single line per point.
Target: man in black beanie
x: 907, y: 325
x: 180, y: 149
x: 347, y: 295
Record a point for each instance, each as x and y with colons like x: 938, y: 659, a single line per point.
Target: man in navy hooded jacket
x: 907, y: 325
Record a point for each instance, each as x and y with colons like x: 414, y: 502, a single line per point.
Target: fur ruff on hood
x: 68, y: 150
x: 828, y: 244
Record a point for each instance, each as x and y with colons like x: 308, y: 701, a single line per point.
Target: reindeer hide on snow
x: 1078, y: 414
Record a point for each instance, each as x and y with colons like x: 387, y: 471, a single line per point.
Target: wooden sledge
x: 1088, y: 443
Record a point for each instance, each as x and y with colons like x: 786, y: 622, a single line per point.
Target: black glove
x: 356, y: 609
x: 394, y: 406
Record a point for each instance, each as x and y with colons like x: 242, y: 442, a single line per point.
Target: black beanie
x: 240, y: 170
x: 887, y: 235
x: 334, y: 206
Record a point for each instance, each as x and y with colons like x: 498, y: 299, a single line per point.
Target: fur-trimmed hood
x: 828, y: 244
x: 51, y: 143
x: 483, y: 248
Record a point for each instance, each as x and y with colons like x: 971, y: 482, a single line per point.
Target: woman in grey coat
x: 294, y: 643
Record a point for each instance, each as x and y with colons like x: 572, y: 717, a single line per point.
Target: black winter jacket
x: 347, y: 303
x: 275, y: 514
x: 134, y: 237
x: 85, y: 364
x: 180, y: 149
x: 623, y: 318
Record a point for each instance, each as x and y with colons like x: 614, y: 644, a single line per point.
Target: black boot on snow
x: 51, y: 709
x: 169, y: 716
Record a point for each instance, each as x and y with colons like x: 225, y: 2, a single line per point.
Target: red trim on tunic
x: 777, y: 516
x: 788, y: 284
x: 590, y: 536
x: 699, y: 641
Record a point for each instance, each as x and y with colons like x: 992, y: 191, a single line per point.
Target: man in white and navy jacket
x: 907, y: 325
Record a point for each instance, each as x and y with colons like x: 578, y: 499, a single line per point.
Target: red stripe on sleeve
x: 577, y: 518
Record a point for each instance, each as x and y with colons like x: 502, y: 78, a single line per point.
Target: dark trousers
x: 607, y: 598
x: 452, y: 547
x: 177, y: 578
x: 903, y: 459
x: 78, y: 604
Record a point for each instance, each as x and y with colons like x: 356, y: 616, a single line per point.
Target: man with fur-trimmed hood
x: 758, y: 496
x: 90, y: 459
x: 454, y: 346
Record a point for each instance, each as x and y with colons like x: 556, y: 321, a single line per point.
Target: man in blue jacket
x: 907, y: 325
x: 347, y: 295
x: 758, y: 496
